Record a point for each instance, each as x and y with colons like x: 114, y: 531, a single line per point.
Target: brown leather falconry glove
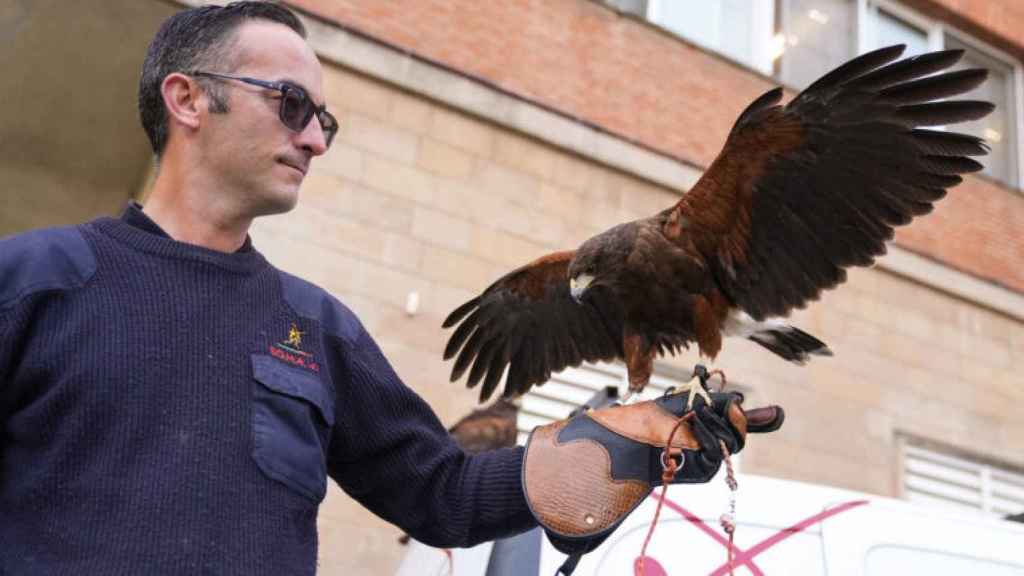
x: 583, y: 476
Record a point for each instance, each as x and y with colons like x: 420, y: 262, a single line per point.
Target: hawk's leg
x: 639, y: 363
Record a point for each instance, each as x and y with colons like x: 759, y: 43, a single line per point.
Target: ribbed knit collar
x: 139, y: 231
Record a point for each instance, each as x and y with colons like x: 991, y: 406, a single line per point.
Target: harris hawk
x: 487, y: 428
x: 798, y: 194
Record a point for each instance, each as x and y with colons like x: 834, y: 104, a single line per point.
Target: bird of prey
x: 798, y: 194
x: 487, y: 428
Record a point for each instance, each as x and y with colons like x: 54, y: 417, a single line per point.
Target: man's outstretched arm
x: 390, y: 452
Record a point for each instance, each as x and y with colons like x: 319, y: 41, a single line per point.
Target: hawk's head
x: 599, y: 260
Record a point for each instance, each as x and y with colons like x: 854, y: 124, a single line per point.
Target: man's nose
x: 312, y: 137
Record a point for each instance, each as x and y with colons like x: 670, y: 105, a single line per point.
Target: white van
x: 783, y: 528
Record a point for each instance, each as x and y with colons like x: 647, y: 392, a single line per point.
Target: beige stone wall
x: 909, y: 361
x: 417, y: 197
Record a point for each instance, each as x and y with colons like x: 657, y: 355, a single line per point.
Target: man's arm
x: 11, y: 316
x: 391, y: 453
x: 33, y: 265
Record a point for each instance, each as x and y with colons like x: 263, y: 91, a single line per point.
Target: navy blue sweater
x: 169, y: 409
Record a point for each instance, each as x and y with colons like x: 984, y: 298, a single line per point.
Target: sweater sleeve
x: 33, y: 264
x: 11, y: 319
x: 14, y: 324
x: 390, y: 452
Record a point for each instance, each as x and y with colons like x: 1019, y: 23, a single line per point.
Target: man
x: 170, y: 403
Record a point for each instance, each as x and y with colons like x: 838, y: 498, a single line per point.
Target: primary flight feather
x: 798, y: 194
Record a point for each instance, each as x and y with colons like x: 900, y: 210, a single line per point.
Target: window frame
x: 866, y: 32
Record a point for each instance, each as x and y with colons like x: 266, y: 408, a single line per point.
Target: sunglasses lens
x: 296, y: 109
x: 329, y: 126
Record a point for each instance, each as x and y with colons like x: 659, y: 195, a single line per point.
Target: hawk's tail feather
x: 791, y: 343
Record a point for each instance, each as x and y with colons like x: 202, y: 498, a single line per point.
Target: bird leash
x: 669, y: 468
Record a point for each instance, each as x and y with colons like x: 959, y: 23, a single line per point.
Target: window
x: 799, y: 40
x: 818, y: 34
x: 883, y: 28
x: 998, y: 127
x: 943, y: 479
x: 739, y: 29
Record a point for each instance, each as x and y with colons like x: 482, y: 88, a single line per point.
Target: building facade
x: 477, y: 136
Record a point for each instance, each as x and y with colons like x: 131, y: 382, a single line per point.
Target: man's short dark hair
x: 193, y: 39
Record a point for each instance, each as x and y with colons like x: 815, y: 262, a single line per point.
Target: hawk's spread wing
x: 801, y: 192
x: 529, y: 319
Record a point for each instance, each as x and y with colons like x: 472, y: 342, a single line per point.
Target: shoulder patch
x: 46, y: 259
x: 311, y: 301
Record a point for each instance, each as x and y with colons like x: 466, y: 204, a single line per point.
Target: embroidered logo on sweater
x: 291, y: 351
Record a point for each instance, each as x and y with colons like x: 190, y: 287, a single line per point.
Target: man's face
x: 254, y: 157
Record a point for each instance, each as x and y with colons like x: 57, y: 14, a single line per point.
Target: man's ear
x: 182, y: 98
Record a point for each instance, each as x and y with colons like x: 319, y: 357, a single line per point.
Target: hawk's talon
x: 702, y: 375
x: 696, y: 388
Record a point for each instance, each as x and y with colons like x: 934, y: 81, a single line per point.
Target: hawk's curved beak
x: 579, y: 285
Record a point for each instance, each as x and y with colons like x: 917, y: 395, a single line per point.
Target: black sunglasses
x: 297, y: 108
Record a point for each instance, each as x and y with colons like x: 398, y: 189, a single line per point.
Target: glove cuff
x: 568, y: 480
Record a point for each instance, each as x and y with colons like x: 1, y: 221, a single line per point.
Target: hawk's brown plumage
x: 798, y: 194
x: 487, y: 428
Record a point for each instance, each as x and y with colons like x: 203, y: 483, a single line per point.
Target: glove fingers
x: 707, y: 439
x: 722, y: 429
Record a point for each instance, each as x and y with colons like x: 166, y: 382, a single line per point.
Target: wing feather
x: 801, y: 192
x: 526, y: 326
x: 940, y: 113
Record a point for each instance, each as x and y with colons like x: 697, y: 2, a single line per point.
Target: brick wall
x: 998, y: 22
x: 627, y: 77
x: 977, y: 228
x: 415, y: 196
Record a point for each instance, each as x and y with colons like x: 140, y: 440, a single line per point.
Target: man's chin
x: 280, y: 202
